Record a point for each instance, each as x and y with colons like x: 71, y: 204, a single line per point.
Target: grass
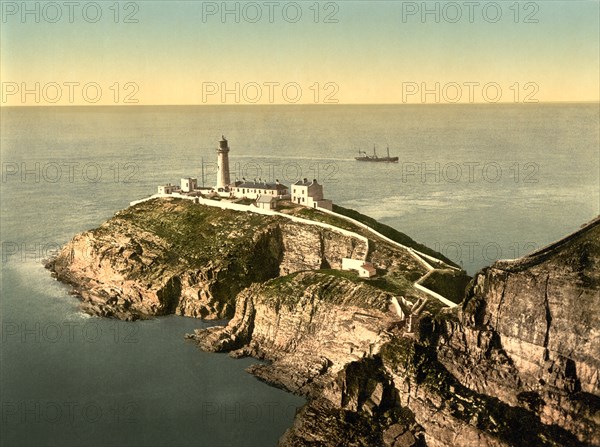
x: 393, y: 285
x: 333, y: 286
x: 316, y: 215
x: 391, y: 233
x: 197, y: 234
x: 201, y: 235
x: 450, y: 284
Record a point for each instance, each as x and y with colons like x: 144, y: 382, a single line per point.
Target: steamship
x: 362, y: 156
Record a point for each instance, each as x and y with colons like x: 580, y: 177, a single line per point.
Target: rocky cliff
x: 516, y: 365
x: 381, y: 363
x: 174, y: 256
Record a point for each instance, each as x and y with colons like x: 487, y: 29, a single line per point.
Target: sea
x: 475, y: 182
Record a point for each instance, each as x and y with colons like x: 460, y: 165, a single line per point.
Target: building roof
x: 369, y: 267
x: 305, y: 182
x: 263, y: 185
x: 265, y: 199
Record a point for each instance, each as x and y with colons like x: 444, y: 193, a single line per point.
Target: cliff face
x: 173, y: 256
x: 516, y: 365
x: 309, y: 325
x: 544, y: 313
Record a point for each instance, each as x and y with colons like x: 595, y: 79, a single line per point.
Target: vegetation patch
x: 391, y: 233
x: 450, y: 284
x: 335, y: 287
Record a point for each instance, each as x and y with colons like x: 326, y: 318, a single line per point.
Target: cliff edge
x: 166, y: 256
x: 381, y: 361
x: 516, y: 364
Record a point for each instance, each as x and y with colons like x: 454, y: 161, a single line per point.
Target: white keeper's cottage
x: 255, y: 189
x: 310, y: 194
x: 167, y: 189
x: 189, y: 184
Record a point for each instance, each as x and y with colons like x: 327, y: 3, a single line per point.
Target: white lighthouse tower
x: 223, y: 180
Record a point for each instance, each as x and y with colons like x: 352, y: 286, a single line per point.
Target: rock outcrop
x: 308, y: 325
x: 516, y: 365
x: 168, y: 256
x: 173, y: 256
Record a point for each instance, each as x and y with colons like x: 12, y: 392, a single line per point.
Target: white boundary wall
x: 415, y: 253
x: 387, y: 239
x: 223, y: 204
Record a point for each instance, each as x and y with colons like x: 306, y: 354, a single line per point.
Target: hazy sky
x: 188, y: 52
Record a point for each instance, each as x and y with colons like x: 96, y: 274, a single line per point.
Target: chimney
x: 305, y: 180
x: 314, y: 180
x: 277, y: 181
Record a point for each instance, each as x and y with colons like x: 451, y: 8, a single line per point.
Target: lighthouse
x: 223, y: 164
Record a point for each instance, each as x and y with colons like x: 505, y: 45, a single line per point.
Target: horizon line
x: 596, y: 101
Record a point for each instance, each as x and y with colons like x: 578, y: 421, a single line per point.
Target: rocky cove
x: 516, y: 363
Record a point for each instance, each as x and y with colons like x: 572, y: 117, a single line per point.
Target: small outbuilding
x: 166, y: 189
x: 363, y: 268
x: 266, y: 202
x: 188, y: 184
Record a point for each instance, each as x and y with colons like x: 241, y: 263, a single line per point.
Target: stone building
x: 188, y: 184
x: 167, y: 189
x: 254, y: 189
x: 310, y: 193
x: 266, y: 202
x: 363, y: 268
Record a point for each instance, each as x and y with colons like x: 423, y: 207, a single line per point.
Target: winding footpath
x: 419, y: 256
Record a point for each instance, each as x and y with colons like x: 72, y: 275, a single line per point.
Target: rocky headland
x: 381, y: 362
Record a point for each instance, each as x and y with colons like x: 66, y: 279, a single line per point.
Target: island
x: 391, y: 343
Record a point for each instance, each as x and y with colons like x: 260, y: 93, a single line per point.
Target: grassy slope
x: 196, y: 233
x: 201, y: 234
x: 450, y: 284
x: 391, y: 233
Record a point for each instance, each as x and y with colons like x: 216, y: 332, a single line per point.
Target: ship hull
x: 378, y: 159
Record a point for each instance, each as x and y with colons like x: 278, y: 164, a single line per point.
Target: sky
x: 305, y: 52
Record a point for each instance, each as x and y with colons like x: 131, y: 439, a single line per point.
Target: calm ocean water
x: 475, y: 182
